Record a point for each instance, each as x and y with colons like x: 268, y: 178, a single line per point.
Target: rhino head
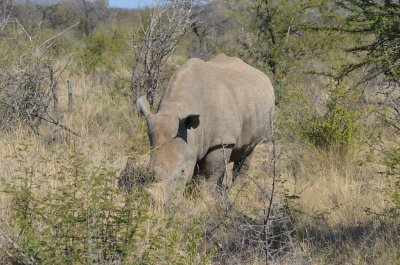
x: 173, y: 150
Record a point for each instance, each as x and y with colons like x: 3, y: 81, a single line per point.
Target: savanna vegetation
x: 324, y: 187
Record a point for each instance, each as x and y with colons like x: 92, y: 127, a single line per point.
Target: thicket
x: 378, y: 56
x: 77, y: 214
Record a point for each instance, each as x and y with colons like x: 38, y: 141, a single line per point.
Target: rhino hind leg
x: 241, y: 167
x: 213, y: 166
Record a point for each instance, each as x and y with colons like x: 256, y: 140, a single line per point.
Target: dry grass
x: 334, y: 195
x: 332, y: 186
x: 327, y: 222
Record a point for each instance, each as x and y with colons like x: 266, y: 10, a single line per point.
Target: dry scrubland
x: 319, y: 214
x: 335, y: 199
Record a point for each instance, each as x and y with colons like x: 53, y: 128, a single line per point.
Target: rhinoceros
x: 211, y: 113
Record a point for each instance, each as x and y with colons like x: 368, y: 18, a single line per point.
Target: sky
x: 130, y: 3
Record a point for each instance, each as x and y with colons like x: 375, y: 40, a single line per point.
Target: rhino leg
x: 213, y: 166
x: 240, y: 167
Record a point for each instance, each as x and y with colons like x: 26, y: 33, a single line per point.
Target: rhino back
x: 233, y: 99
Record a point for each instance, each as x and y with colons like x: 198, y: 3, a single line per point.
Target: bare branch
x: 57, y: 35
x: 14, y: 251
x: 268, y: 203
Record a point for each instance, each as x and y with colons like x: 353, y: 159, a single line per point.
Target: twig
x: 26, y: 33
x: 22, y: 259
x: 57, y: 35
x: 57, y: 123
x: 267, y: 211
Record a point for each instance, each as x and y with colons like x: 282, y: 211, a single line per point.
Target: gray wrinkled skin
x: 211, y: 113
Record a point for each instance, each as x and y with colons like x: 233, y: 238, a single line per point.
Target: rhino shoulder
x: 224, y: 59
x: 191, y: 65
x: 193, y: 62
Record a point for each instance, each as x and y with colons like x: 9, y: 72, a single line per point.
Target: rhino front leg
x: 213, y: 166
x: 241, y: 166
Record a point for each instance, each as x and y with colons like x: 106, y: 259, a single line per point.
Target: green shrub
x: 340, y: 124
x: 105, y: 50
x: 93, y: 54
x: 335, y: 122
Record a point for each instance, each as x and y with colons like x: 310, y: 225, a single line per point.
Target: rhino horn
x: 143, y: 107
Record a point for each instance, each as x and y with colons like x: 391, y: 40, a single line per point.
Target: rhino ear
x: 192, y: 121
x: 143, y: 107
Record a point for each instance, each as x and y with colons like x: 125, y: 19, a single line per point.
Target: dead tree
x: 86, y: 10
x: 169, y: 20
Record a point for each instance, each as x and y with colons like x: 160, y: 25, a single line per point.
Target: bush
x: 28, y: 77
x: 93, y: 54
x: 26, y: 93
x: 332, y: 120
x: 103, y: 48
x: 339, y: 125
